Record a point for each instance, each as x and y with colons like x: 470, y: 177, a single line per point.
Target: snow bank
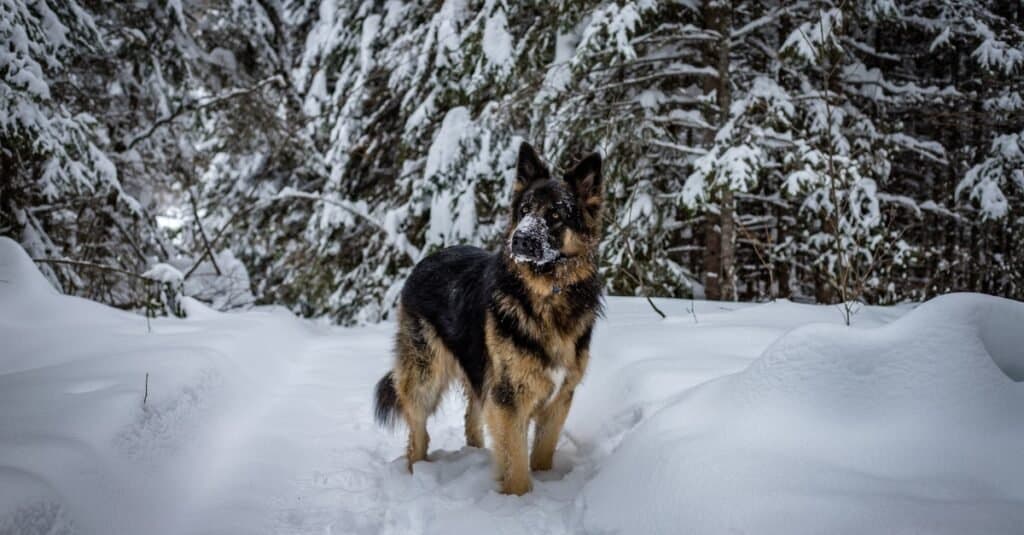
x: 30, y: 306
x: 79, y: 450
x: 915, y: 426
x: 21, y: 278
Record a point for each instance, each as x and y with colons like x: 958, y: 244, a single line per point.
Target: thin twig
x: 202, y: 233
x: 80, y: 263
x: 765, y: 263
x: 290, y: 193
x: 246, y: 208
x: 655, y: 307
x: 200, y: 105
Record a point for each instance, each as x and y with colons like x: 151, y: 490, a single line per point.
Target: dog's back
x: 450, y: 291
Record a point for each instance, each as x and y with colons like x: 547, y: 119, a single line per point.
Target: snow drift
x: 79, y: 450
x: 916, y: 426
x: 724, y: 417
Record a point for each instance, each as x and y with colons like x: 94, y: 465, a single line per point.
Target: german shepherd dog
x: 513, y: 327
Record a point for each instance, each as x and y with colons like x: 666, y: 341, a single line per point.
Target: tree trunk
x: 720, y: 255
x: 712, y: 259
x: 782, y: 276
x: 728, y: 246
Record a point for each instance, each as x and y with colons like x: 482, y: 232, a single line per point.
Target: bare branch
x: 92, y: 265
x: 290, y: 193
x: 202, y: 233
x: 200, y: 105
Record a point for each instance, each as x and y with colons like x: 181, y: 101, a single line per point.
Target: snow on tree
x: 943, y: 110
x: 999, y: 177
x: 412, y: 113
x: 311, y: 152
x: 62, y: 195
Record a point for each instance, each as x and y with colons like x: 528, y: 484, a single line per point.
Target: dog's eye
x: 524, y: 210
x: 556, y: 217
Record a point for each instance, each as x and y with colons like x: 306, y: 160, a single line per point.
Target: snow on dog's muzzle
x: 529, y: 241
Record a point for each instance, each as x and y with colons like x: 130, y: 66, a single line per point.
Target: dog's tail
x: 386, y: 402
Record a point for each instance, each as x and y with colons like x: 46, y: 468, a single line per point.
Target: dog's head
x: 554, y: 221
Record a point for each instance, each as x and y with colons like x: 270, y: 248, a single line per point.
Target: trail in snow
x: 728, y: 421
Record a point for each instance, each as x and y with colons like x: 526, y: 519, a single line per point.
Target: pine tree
x: 62, y: 195
x: 312, y: 151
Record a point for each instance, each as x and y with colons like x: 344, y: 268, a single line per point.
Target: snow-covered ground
x: 729, y: 418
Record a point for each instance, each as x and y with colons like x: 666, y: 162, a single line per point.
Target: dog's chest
x: 563, y: 364
x: 558, y: 328
x: 556, y: 375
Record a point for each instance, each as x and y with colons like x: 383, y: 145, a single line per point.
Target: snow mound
x: 110, y: 424
x: 30, y: 300
x: 913, y: 426
x: 18, y: 274
x: 165, y: 273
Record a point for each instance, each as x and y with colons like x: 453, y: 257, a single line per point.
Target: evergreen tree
x: 312, y: 151
x: 62, y: 196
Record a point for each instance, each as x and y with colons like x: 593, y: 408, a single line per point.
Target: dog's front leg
x: 550, y: 420
x: 507, y: 423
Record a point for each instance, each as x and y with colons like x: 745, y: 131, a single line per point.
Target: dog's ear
x: 529, y: 168
x: 585, y: 180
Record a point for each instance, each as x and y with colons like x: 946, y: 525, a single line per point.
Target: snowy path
x: 344, y: 474
x: 730, y: 418
x: 316, y: 419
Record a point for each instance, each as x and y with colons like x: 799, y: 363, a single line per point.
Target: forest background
x: 308, y: 153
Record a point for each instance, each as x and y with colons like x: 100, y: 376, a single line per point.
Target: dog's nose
x: 526, y: 245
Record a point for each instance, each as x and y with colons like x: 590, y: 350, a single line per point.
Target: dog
x: 514, y: 326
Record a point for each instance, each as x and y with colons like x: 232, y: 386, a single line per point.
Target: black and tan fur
x: 513, y: 329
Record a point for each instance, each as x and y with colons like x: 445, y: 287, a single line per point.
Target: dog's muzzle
x: 527, y: 247
x: 529, y: 242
